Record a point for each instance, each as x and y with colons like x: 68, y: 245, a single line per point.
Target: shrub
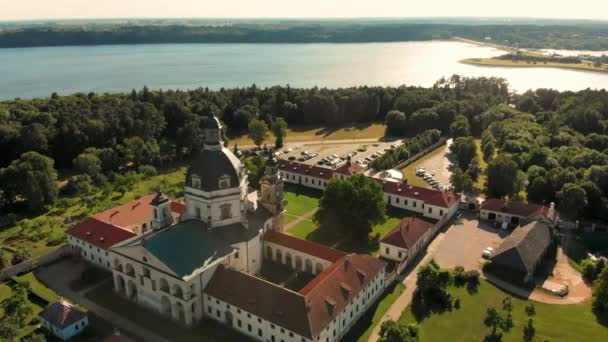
x: 20, y: 256
x: 79, y: 184
x: 147, y: 170
x: 588, y: 269
x: 459, y: 276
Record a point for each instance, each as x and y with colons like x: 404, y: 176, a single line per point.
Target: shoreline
x: 490, y: 62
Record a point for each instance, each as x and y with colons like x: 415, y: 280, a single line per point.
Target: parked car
x: 362, y: 149
x: 376, y: 145
x: 487, y: 253
x: 287, y: 150
x: 562, y: 291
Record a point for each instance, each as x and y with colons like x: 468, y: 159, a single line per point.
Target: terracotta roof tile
x: 315, y: 249
x: 444, y: 199
x: 517, y: 208
x: 307, y: 312
x: 306, y: 170
x: 407, y: 232
x: 61, y: 314
x: 99, y: 234
x: 350, y: 170
x: 135, y: 212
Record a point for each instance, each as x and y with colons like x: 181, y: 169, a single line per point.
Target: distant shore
x: 493, y: 62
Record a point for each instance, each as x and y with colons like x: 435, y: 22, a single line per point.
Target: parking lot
x: 334, y: 154
x: 464, y: 242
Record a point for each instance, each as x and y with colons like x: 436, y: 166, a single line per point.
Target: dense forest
x: 543, y: 146
x: 580, y: 37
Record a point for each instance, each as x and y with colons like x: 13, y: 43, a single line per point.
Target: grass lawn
x: 301, y: 200
x: 37, y: 287
x: 207, y: 330
x: 315, y: 133
x: 552, y: 322
x: 303, y: 229
x: 362, y: 330
x: 410, y: 170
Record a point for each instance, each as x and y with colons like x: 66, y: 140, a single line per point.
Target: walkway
x: 298, y: 219
x: 409, y: 280
x: 57, y: 277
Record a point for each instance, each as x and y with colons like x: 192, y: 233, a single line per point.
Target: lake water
x: 32, y: 72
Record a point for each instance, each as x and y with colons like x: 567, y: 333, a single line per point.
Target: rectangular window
x: 260, y: 332
x: 414, y: 204
x: 397, y: 200
x: 387, y: 251
x: 441, y: 212
x: 430, y: 210
x: 249, y: 327
x: 238, y: 323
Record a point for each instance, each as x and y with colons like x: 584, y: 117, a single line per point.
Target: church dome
x: 212, y: 168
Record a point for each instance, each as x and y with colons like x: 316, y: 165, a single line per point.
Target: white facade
x: 91, y: 253
x: 217, y: 208
x: 404, y: 256
x: 305, y: 180
x: 67, y: 332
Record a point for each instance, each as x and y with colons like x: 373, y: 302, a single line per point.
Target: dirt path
x: 409, y: 280
x: 305, y: 216
x: 58, y: 276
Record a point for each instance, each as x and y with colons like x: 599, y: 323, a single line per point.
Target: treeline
x: 99, y: 137
x: 551, y: 147
x: 584, y: 37
x: 524, y: 57
x: 410, y: 148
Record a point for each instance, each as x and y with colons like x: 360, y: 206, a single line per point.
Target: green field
x: 552, y: 322
x: 37, y: 287
x: 301, y: 200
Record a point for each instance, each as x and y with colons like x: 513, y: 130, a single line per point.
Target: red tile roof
x: 306, y: 170
x: 136, y: 212
x: 518, y: 209
x: 178, y: 208
x: 307, y: 312
x: 444, y: 199
x: 407, y: 232
x: 332, y: 290
x: 350, y: 170
x: 99, y: 234
x: 61, y: 314
x: 307, y: 247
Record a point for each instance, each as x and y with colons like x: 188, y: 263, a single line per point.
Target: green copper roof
x: 188, y: 245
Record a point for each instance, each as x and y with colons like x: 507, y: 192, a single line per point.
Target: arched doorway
x: 164, y: 285
x: 298, y: 263
x: 181, y: 315
x: 120, y: 286
x: 165, y: 306
x: 318, y: 268
x: 178, y: 292
x: 132, y: 290
x: 279, y: 256
x: 269, y: 252
x: 308, y: 264
x: 130, y: 270
x: 288, y: 260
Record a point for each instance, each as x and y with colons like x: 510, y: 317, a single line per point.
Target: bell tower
x: 213, y: 134
x: 271, y: 197
x: 161, y: 206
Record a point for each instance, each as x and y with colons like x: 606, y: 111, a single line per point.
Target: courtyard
x: 464, y: 241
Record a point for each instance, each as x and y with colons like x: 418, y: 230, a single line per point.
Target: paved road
x: 58, y: 276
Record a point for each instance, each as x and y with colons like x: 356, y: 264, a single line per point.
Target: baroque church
x: 206, y: 264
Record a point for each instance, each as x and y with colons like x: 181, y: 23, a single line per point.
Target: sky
x: 65, y: 9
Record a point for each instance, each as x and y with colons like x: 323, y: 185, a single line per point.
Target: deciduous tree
x: 258, y: 131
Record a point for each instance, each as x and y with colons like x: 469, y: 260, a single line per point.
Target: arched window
x: 224, y: 182
x: 226, y: 211
x: 196, y: 181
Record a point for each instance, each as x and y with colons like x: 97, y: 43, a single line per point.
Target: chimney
x: 551, y: 211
